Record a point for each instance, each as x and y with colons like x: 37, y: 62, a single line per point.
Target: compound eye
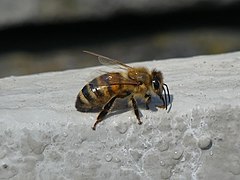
x: 155, y: 84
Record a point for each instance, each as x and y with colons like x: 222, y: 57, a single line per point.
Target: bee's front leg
x: 136, y: 111
x: 147, y: 100
x: 164, y: 103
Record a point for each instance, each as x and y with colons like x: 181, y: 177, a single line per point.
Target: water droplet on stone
x: 65, y: 134
x: 162, y: 163
x: 163, y: 146
x: 108, y: 157
x: 135, y: 154
x: 122, y: 128
x: 211, y: 153
x: 177, y: 154
x: 36, y: 146
x: 116, y: 160
x: 183, y: 159
x: 204, y: 143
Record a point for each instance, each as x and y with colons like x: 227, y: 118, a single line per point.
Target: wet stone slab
x: 42, y: 136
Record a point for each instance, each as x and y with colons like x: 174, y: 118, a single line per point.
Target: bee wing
x: 108, y: 61
x: 115, y: 79
x: 123, y: 81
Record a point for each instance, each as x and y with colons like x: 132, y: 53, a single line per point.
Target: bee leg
x: 104, y: 112
x: 164, y: 103
x: 147, y: 100
x: 136, y: 111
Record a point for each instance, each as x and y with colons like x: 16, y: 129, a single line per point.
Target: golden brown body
x: 103, y: 90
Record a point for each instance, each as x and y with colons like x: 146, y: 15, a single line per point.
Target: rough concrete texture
x: 37, y: 11
x: 42, y: 136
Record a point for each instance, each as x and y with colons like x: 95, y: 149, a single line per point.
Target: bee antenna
x: 168, y: 92
x: 165, y: 95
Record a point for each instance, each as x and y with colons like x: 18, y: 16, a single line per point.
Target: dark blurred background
x: 42, y: 35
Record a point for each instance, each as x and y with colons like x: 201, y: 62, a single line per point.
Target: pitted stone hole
x: 162, y: 163
x: 108, y: 157
x: 5, y: 166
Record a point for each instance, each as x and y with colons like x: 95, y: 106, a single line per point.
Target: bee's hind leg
x: 104, y: 112
x: 136, y: 111
x: 147, y: 100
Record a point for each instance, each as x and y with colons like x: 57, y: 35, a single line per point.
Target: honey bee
x: 131, y: 83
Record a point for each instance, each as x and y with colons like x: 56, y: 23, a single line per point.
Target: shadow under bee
x: 156, y: 102
x: 122, y: 105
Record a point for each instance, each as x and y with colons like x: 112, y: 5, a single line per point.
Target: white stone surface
x: 42, y: 136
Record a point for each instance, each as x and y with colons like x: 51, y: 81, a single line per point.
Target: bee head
x: 158, y: 86
x: 157, y: 81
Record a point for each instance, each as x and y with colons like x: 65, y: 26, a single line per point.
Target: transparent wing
x: 112, y: 62
x: 109, y: 79
x: 108, y: 61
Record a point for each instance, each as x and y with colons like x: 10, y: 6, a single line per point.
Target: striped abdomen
x: 99, y: 91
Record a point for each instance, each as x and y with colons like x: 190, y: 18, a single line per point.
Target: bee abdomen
x: 79, y: 104
x: 84, y: 99
x: 98, y: 92
x: 89, y: 97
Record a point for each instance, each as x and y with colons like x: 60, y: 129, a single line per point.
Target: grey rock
x: 42, y: 136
